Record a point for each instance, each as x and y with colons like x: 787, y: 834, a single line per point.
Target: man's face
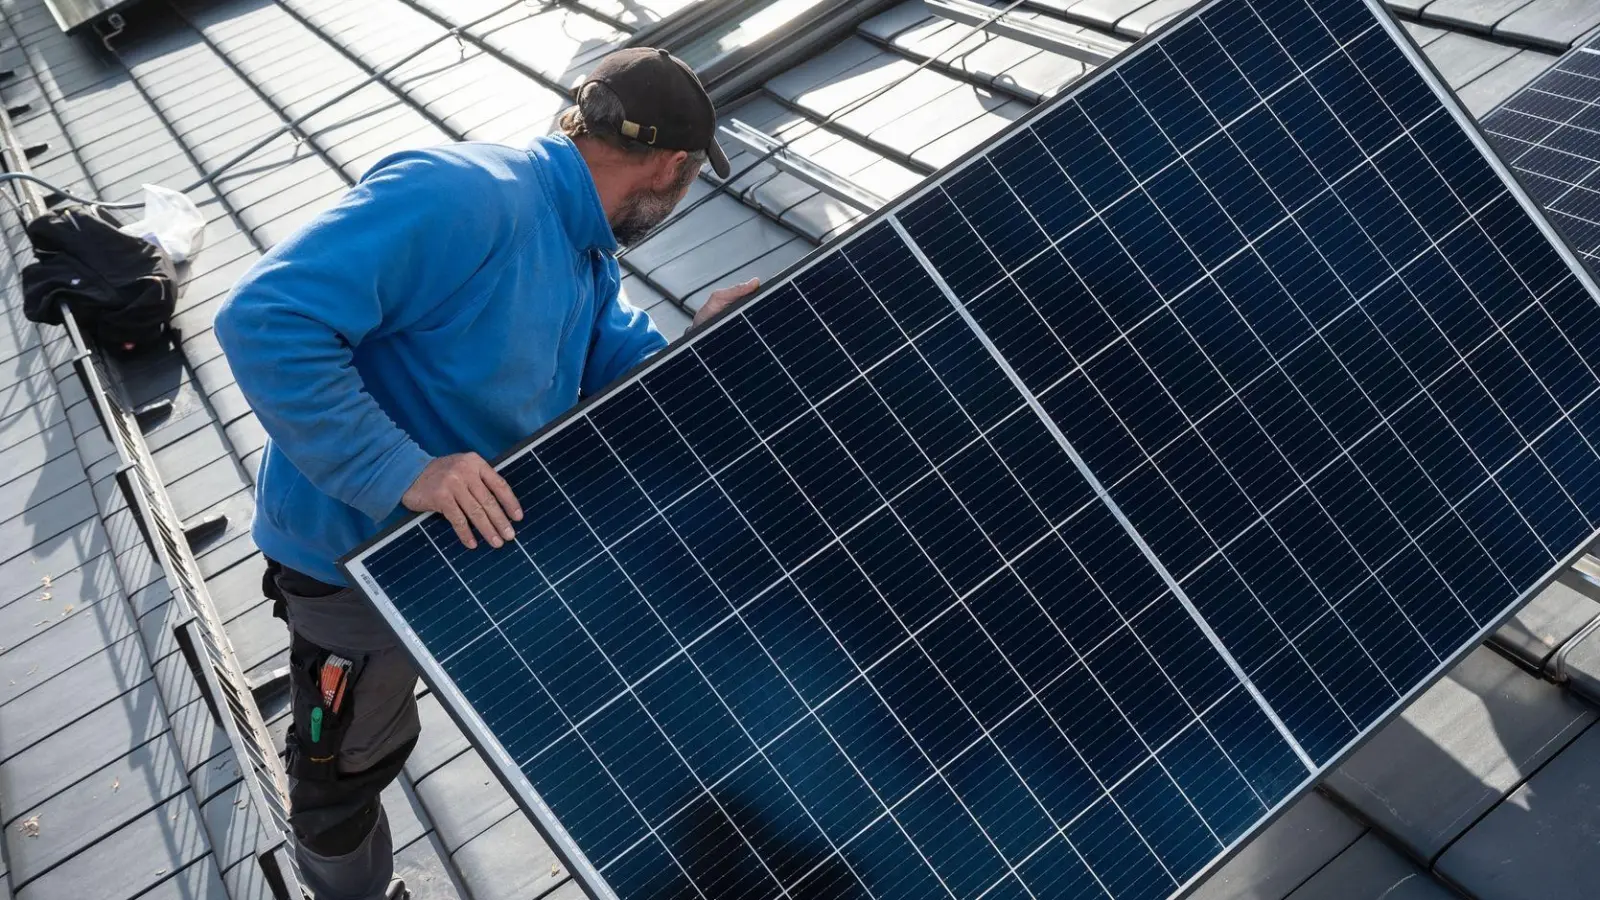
x: 645, y: 208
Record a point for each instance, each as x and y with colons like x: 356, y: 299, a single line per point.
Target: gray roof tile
x: 407, y: 819
x: 150, y: 598
x: 509, y: 861
x: 200, y: 741
x: 219, y: 556
x: 19, y: 425
x: 440, y: 741
x: 670, y: 320
x: 36, y: 485
x: 1553, y: 23
x: 245, y: 880
x: 158, y: 627
x: 856, y: 67
x: 216, y: 775
x: 464, y: 798
x: 1306, y: 838
x: 1549, y: 620
x: 1461, y: 58
x: 130, y: 860
x: 1369, y: 870
x: 252, y: 463
x: 199, y: 881
x: 775, y: 261
x: 1478, y: 15
x: 238, y: 587
x: 1496, y: 85
x: 820, y: 216
x: 257, y: 636
x: 205, y: 487
x: 426, y: 874
x: 779, y: 191
x: 949, y: 148
x: 232, y: 825
x: 26, y: 391
x: 186, y: 456
x: 139, y: 567
x: 66, y: 756
x: 60, y: 636
x: 1151, y: 16
x: 567, y: 891
x: 709, y: 263
x: 70, y: 695
x: 29, y: 362
x: 177, y: 681
x: 94, y: 807
x: 1457, y: 750
x: 1105, y: 13
x: 1540, y: 841
x: 43, y: 521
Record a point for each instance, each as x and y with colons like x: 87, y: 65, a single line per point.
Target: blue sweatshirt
x: 456, y: 299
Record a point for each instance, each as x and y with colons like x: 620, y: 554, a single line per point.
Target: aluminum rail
x: 1083, y: 47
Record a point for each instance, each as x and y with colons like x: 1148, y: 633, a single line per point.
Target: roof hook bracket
x: 108, y: 29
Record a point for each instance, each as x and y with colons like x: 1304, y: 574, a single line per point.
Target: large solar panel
x: 1549, y: 133
x: 1047, y: 534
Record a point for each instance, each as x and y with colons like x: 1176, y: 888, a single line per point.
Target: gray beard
x: 639, y: 216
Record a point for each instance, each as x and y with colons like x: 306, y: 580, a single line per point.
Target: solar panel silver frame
x: 512, y: 777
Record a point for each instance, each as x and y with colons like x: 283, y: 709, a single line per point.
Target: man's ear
x: 667, y: 167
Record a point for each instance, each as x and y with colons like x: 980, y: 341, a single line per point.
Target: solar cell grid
x: 1549, y: 133
x: 1047, y: 534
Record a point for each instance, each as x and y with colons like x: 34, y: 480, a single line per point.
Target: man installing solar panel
x: 454, y: 301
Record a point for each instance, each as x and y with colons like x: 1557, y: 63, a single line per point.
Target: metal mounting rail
x: 786, y: 159
x: 199, y: 631
x: 1083, y: 47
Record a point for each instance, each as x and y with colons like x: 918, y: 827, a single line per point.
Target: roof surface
x: 115, y: 779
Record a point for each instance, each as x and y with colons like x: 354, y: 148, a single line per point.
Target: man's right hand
x: 465, y: 489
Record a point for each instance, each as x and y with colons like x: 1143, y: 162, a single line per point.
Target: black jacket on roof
x: 120, y: 288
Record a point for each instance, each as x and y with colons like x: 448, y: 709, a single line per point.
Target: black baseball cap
x: 663, y: 103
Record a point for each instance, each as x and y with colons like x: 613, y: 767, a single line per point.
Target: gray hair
x: 599, y: 115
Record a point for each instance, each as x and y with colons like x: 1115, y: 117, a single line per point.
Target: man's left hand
x: 720, y: 299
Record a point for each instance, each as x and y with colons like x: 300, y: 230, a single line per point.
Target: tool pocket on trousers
x: 323, y: 691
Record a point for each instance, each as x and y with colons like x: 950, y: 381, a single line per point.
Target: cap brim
x: 719, y: 160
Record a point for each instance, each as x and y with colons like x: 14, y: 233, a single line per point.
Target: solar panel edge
x: 466, y: 717
x: 517, y: 782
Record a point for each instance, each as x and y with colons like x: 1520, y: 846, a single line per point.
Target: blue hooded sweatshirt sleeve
x: 376, y: 262
x: 624, y: 336
x: 457, y: 299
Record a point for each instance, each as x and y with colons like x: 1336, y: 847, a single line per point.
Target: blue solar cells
x: 1048, y: 532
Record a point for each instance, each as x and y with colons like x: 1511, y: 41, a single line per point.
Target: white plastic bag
x: 171, y: 221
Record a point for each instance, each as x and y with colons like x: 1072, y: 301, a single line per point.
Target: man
x: 453, y: 302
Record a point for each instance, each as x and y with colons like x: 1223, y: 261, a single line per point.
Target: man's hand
x: 464, y: 488
x: 719, y: 300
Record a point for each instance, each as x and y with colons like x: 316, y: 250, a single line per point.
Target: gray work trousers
x: 341, y: 832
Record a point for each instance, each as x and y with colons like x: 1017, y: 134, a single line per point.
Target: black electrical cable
x: 459, y: 31
x: 294, y: 124
x: 24, y: 176
x: 456, y: 33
